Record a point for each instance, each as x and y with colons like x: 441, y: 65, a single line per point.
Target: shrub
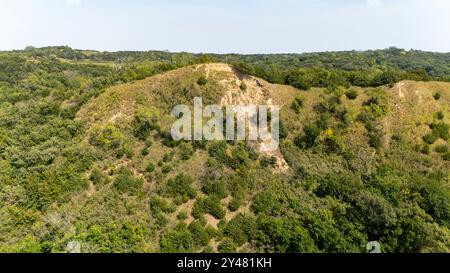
x: 110, y: 138
x: 213, y: 207
x: 308, y: 139
x: 125, y: 182
x: 158, y: 204
x: 297, y: 105
x: 387, y: 77
x: 324, y: 121
x: 28, y: 244
x: 440, y: 115
x: 243, y: 86
x: 377, y: 106
x: 446, y: 157
x: 344, y: 117
x: 267, y: 161
x: 375, y: 140
x: 441, y: 130
x: 352, y: 94
x: 437, y: 96
x: 305, y: 78
x: 205, y: 58
x: 145, y: 121
x: 218, y: 150
x: 435, y: 198
x: 145, y: 151
x: 186, y: 151
x: 166, y: 169
x: 202, y: 80
x: 283, y: 235
x: 425, y: 149
x: 241, y: 229
x: 150, y: 167
x: 430, y: 138
x: 180, y: 186
x: 97, y: 177
x: 199, y: 233
x: 210, y: 205
x: 332, y: 144
x: 339, y: 186
x: 177, y: 241
x: 227, y: 246
x: 215, y: 187
x: 168, y: 141
x: 198, y: 210
x: 237, y: 158
x: 376, y: 212
x: 442, y: 149
x: 253, y: 153
x: 266, y: 203
x: 182, y: 215
x: 167, y: 157
x: 235, y: 203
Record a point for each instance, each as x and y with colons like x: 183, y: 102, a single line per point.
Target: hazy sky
x: 242, y: 26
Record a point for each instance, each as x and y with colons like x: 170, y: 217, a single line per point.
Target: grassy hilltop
x: 86, y: 157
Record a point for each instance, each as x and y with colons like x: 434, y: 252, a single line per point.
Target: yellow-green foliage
x: 89, y: 154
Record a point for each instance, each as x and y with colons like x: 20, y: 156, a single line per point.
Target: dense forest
x: 74, y: 179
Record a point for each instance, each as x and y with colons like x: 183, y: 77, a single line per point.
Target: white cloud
x: 374, y: 3
x: 73, y: 3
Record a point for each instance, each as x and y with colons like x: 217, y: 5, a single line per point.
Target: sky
x: 226, y: 26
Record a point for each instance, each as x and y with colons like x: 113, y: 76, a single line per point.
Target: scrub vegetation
x: 86, y: 154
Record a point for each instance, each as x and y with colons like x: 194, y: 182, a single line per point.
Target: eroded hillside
x: 354, y: 165
x: 357, y: 132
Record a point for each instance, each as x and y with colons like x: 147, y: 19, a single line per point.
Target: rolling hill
x: 355, y: 164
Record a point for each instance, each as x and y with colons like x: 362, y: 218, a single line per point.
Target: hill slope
x: 354, y: 165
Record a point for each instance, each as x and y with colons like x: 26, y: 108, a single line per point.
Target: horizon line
x: 222, y: 53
